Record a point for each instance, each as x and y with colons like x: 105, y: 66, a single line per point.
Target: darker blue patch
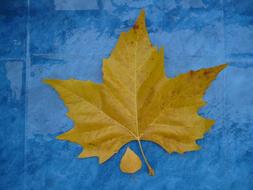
x: 13, y: 29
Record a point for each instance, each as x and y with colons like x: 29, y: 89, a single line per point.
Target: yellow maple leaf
x: 136, y: 102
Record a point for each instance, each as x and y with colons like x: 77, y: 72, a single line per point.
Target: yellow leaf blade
x: 133, y: 66
x: 130, y: 162
x: 98, y: 133
x: 173, y: 121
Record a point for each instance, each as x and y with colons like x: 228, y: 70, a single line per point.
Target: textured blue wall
x: 68, y: 39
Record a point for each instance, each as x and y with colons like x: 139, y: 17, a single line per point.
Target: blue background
x: 63, y: 39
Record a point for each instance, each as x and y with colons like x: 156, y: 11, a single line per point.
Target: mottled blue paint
x: 68, y: 39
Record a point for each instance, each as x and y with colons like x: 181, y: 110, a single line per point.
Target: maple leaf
x: 136, y: 102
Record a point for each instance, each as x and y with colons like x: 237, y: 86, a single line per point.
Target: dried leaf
x: 130, y: 162
x: 136, y: 101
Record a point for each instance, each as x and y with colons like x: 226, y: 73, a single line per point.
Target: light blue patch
x: 75, y: 5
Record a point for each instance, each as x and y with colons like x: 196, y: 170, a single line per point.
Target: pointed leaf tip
x: 223, y: 66
x: 142, y: 13
x: 45, y: 81
x: 48, y: 81
x: 140, y: 21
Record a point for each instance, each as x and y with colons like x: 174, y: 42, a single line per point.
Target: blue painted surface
x: 54, y: 39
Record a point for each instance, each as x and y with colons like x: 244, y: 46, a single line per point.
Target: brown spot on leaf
x: 206, y: 72
x: 136, y: 26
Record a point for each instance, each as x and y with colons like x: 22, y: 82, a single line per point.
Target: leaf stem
x: 150, y: 169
